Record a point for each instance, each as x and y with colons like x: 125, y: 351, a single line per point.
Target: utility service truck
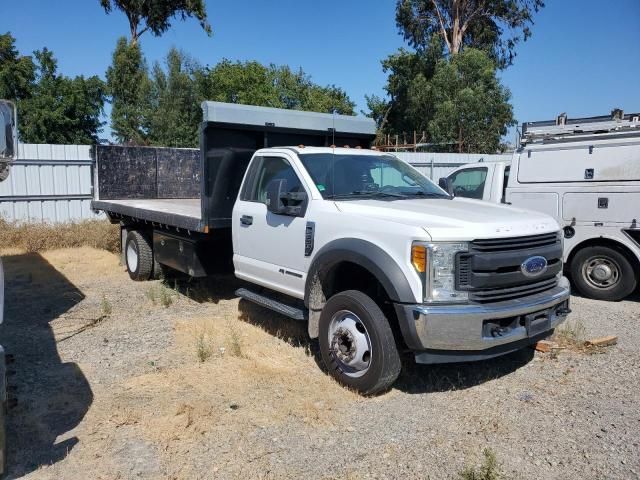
x: 585, y: 172
x: 8, y: 153
x: 374, y: 256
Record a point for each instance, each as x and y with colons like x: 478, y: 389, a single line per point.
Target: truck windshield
x: 357, y: 176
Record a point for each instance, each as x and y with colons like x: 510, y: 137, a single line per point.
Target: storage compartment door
x: 603, y: 164
x: 545, y: 202
x: 601, y: 207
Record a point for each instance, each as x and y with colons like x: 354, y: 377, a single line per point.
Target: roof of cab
x: 337, y: 150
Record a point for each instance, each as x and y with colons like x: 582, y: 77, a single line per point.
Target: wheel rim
x: 350, y: 344
x: 601, y: 272
x: 132, y: 256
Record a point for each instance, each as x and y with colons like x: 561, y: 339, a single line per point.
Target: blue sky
x: 583, y: 58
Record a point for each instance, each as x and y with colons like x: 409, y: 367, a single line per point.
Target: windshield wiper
x: 366, y: 193
x: 420, y: 193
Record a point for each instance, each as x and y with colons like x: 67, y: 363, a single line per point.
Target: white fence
x: 54, y: 183
x: 49, y: 183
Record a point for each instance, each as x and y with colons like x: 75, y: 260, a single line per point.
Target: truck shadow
x: 211, y: 289
x: 53, y: 396
x: 414, y: 379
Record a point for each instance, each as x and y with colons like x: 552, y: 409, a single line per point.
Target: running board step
x: 271, y: 304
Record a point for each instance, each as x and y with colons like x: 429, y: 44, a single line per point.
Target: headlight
x: 438, y: 270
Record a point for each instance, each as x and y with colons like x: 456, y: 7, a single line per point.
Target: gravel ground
x: 116, y: 379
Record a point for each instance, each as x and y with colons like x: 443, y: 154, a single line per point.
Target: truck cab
x: 376, y: 258
x: 586, y: 174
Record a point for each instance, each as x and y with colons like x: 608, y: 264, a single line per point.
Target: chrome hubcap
x: 349, y: 343
x: 601, y: 272
x: 132, y: 257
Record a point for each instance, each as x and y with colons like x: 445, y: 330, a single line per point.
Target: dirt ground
x: 117, y: 379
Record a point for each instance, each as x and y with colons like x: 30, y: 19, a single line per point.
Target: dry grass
x: 38, y: 237
x: 105, y: 306
x: 160, y: 294
x: 571, y: 334
x: 489, y: 470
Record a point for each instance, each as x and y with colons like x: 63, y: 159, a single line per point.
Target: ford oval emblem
x: 534, y: 266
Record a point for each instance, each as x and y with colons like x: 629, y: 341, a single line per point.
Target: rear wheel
x: 139, y: 256
x: 603, y: 273
x: 357, y: 344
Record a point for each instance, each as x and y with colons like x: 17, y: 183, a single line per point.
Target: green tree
x: 471, y: 108
x: 173, y: 113
x: 495, y: 26
x: 172, y: 108
x: 60, y: 109
x: 252, y: 83
x: 128, y: 87
x: 156, y: 15
x: 17, y: 72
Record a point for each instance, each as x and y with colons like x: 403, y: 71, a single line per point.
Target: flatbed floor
x: 177, y: 212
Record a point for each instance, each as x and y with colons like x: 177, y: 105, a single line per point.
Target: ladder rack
x: 563, y: 127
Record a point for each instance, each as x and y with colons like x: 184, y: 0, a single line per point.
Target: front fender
x: 367, y: 255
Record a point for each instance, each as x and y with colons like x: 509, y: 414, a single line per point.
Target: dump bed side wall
x: 147, y: 173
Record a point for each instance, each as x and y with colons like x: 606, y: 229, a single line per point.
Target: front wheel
x: 603, y: 273
x: 357, y: 344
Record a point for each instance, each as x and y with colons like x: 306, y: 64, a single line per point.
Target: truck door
x: 269, y: 248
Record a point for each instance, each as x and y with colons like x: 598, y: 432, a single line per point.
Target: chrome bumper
x: 469, y: 328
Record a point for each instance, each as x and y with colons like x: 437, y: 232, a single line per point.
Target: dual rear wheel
x: 139, y: 258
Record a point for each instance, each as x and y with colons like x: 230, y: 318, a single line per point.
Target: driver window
x: 274, y: 168
x: 469, y: 183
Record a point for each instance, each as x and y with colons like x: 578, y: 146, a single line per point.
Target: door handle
x: 246, y: 220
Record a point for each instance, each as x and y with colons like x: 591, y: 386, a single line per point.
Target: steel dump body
x: 195, y: 190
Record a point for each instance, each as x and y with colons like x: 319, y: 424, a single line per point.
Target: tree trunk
x: 456, y: 33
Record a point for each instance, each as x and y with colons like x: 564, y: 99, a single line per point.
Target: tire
x: 159, y: 270
x: 138, y: 256
x: 603, y: 273
x: 357, y: 344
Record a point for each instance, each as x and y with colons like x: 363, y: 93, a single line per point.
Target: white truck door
x: 269, y: 248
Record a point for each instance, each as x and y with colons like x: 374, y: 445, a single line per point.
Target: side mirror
x: 8, y: 137
x: 281, y: 202
x: 445, y: 184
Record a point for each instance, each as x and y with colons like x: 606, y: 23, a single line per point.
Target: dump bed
x: 194, y: 189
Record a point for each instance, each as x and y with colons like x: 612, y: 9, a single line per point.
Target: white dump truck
x: 376, y: 258
x: 585, y: 172
x: 8, y: 153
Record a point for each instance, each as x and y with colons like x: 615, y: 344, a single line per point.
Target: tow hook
x: 563, y: 311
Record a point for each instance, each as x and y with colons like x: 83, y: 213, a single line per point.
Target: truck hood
x: 460, y: 219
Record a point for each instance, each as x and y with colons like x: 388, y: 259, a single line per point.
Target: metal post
x: 431, y: 169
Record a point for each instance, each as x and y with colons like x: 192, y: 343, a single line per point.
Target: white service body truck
x: 374, y: 256
x: 585, y: 173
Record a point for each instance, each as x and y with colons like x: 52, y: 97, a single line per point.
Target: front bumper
x: 447, y: 333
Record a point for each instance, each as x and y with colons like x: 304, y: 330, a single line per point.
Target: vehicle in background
x: 370, y: 253
x: 8, y: 153
x: 585, y: 172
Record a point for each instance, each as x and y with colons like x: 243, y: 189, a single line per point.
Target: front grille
x: 502, y: 294
x: 514, y: 243
x: 490, y: 272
